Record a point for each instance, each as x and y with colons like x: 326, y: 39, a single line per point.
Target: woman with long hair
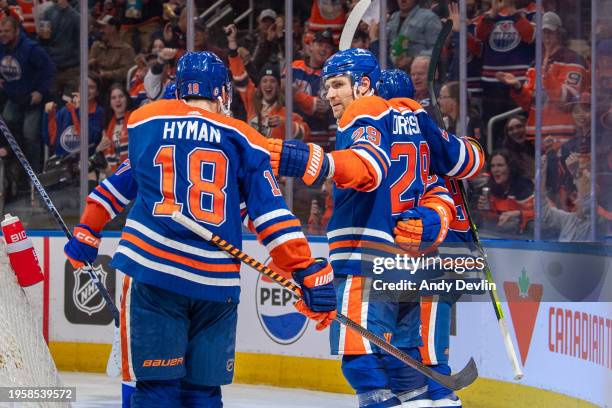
x: 521, y: 150
x: 114, y: 144
x: 507, y: 200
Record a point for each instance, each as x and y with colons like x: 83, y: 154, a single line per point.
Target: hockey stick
x: 352, y: 22
x: 456, y: 382
x: 499, y: 313
x: 58, y: 218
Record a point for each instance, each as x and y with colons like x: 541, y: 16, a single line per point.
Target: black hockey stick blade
x: 462, y: 379
x: 455, y: 382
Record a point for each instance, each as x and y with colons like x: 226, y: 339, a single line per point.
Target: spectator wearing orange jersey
x: 565, y: 76
x: 263, y: 103
x: 508, y: 206
x: 327, y: 15
x: 114, y: 143
x: 7, y: 10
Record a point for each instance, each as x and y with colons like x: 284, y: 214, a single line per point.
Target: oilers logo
x: 10, y: 69
x: 274, y: 304
x: 504, y: 36
x: 69, y: 140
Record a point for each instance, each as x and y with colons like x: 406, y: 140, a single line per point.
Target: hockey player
x: 180, y: 299
x: 436, y: 312
x: 361, y: 222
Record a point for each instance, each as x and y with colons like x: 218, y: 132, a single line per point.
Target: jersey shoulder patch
x: 367, y: 106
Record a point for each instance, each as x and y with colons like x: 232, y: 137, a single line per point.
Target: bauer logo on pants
x: 83, y: 303
x: 278, y: 318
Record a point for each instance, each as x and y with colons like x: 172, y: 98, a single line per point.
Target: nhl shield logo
x: 85, y: 294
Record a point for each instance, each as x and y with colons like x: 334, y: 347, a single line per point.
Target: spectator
x: 7, y: 10
x: 160, y: 73
x: 145, y: 61
x: 306, y: 85
x: 561, y: 179
x: 507, y: 36
x: 474, y: 49
x: 321, y: 209
x: 269, y: 47
x: 565, y: 76
x: 418, y: 73
x: 139, y: 20
x: 62, y: 128
x: 28, y: 10
x: 521, y: 150
x: 509, y: 204
x: 327, y: 15
x: 366, y: 37
x: 449, y: 107
x: 575, y: 226
x: 27, y: 73
x: 412, y: 30
x: 264, y: 103
x: 59, y: 34
x: 114, y: 144
x: 174, y: 32
x: 201, y: 41
x: 110, y: 58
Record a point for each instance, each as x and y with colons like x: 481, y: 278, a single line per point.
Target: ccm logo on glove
x: 87, y: 239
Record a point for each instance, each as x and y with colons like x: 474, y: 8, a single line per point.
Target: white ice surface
x: 99, y: 391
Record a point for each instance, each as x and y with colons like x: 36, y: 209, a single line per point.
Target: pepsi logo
x: 277, y: 315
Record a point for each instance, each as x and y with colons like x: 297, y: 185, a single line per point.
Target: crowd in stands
x: 134, y: 46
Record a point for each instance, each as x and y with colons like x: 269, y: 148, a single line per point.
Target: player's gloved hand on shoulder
x: 275, y: 147
x: 305, y: 160
x: 83, y: 246
x: 418, y: 230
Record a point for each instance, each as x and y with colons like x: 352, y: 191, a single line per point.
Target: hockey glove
x: 83, y: 246
x: 307, y: 161
x: 317, y: 285
x: 419, y: 230
x: 323, y: 319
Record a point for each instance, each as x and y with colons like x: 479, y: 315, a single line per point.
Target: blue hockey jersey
x: 451, y: 157
x: 200, y: 163
x: 397, y: 154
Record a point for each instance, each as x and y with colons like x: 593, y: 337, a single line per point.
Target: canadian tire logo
x: 83, y: 302
x: 524, y: 300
